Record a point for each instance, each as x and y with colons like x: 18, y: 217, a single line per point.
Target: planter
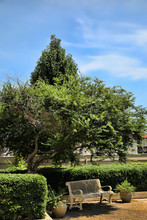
x: 125, y: 189
x: 125, y: 196
x: 60, y: 211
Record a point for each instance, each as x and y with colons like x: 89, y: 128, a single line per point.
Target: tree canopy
x: 53, y: 63
x: 54, y: 121
x: 62, y: 112
x: 47, y: 121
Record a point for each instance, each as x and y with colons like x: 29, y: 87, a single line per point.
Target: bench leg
x: 81, y: 208
x: 110, y: 198
x: 101, y: 198
x: 71, y: 203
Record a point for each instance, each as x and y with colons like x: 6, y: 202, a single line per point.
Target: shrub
x: 112, y: 174
x: 21, y: 165
x: 53, y: 198
x: 22, y: 195
x: 125, y: 187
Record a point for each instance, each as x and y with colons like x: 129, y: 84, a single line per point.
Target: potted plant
x: 56, y: 206
x: 125, y: 189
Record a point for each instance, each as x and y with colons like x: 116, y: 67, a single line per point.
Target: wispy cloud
x: 115, y: 64
x: 117, y: 48
x: 105, y: 33
x: 139, y: 37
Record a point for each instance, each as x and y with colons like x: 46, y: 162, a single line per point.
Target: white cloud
x: 136, y: 37
x: 120, y: 45
x: 140, y: 37
x: 97, y: 33
x: 115, y: 64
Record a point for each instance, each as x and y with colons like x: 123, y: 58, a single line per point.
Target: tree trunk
x: 31, y: 168
x: 122, y: 157
x: 37, y: 163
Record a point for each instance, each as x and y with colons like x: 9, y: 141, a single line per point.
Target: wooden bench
x: 84, y: 189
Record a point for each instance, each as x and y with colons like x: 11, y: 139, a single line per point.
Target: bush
x: 112, y: 174
x: 125, y: 187
x: 22, y: 195
x: 21, y: 165
x: 53, y: 198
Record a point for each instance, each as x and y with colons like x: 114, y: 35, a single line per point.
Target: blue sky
x: 107, y: 39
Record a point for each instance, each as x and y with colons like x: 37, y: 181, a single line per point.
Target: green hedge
x: 22, y: 195
x: 108, y: 175
x: 111, y: 174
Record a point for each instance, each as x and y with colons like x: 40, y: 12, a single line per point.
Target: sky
x: 106, y: 38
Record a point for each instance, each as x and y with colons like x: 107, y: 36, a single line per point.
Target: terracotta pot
x: 126, y: 196
x: 60, y: 211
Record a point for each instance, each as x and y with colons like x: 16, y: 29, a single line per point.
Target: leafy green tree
x: 53, y: 63
x: 21, y: 120
x: 46, y: 121
x: 39, y: 122
x: 114, y: 122
x: 106, y: 119
x: 62, y: 112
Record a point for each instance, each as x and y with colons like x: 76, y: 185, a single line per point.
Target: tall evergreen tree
x: 53, y: 63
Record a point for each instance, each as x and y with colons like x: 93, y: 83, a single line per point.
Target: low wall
x: 116, y: 196
x: 83, y: 160
x: 4, y: 160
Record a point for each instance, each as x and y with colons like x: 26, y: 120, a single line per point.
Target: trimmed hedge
x: 108, y: 175
x: 22, y: 195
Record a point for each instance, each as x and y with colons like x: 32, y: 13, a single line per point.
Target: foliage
x: 62, y: 113
x: 53, y: 63
x: 22, y: 196
x: 113, y: 121
x: 139, y: 163
x: 22, y: 165
x: 57, y: 121
x: 125, y: 187
x: 25, y: 107
x: 54, y: 198
x: 111, y: 174
x: 15, y: 102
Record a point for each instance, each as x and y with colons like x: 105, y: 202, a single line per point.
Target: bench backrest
x: 87, y: 186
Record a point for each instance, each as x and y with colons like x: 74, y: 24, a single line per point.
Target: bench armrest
x: 77, y: 192
x: 109, y: 187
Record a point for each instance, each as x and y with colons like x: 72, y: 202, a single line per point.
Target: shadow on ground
x: 90, y: 209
